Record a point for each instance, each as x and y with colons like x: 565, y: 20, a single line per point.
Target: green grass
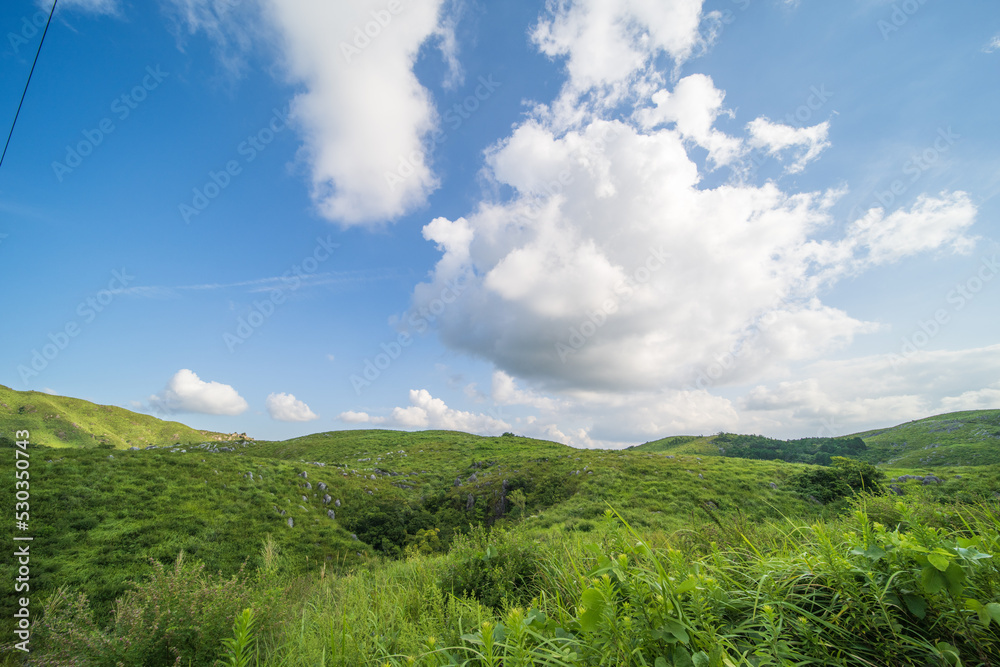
x: 955, y: 439
x: 59, y: 421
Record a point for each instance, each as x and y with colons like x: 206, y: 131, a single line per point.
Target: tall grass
x: 888, y: 583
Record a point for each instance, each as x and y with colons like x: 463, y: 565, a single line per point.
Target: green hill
x: 60, y: 421
x: 970, y: 438
x: 967, y: 438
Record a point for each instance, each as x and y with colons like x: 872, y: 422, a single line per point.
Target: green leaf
x: 701, y: 659
x: 593, y: 603
x: 955, y: 578
x: 660, y: 662
x: 917, y: 605
x: 682, y: 658
x: 994, y: 610
x: 940, y: 561
x: 677, y: 630
x: 932, y: 580
x: 688, y: 585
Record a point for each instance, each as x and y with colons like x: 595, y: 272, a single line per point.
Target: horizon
x: 595, y: 223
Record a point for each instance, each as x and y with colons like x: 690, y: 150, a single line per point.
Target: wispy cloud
x: 257, y: 285
x: 993, y: 44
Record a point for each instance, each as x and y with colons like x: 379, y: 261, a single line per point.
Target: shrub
x: 493, y: 567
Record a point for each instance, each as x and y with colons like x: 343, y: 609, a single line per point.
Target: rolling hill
x: 970, y: 438
x: 60, y: 421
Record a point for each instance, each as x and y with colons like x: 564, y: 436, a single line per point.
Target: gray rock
x: 308, y: 486
x: 373, y: 477
x: 470, y: 502
x: 458, y: 481
x: 331, y: 514
x: 291, y: 522
x: 111, y: 456
x: 303, y: 474
x: 931, y: 479
x: 700, y: 476
x: 774, y: 487
x: 322, y: 486
x: 353, y: 536
x: 327, y: 499
x: 304, y: 499
x: 337, y: 502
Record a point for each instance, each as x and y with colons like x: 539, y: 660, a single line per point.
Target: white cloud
x: 362, y: 112
x: 352, y: 417
x: 993, y: 45
x: 776, y: 138
x: 287, y: 408
x: 427, y: 412
x: 931, y: 223
x: 612, y: 267
x: 693, y: 105
x: 609, y: 41
x: 95, y: 6
x: 987, y: 398
x: 186, y: 392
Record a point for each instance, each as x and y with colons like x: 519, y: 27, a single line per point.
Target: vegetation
x: 59, y: 421
x: 443, y: 548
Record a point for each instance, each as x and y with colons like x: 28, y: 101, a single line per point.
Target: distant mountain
x: 59, y: 421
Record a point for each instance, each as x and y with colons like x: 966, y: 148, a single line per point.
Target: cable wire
x: 32, y: 71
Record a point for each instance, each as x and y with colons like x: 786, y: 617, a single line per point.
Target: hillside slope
x: 60, y: 421
x: 969, y: 438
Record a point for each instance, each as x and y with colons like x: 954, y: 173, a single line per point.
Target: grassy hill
x: 970, y: 438
x: 954, y: 439
x: 60, y: 421
x: 360, y: 547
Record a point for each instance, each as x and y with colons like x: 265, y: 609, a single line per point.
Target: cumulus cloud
x: 613, y: 267
x: 186, y: 392
x: 287, y: 408
x: 427, y: 412
x: 363, y: 115
x: 608, y: 41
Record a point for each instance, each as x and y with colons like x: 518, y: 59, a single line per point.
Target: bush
x: 493, y: 567
x: 178, y: 613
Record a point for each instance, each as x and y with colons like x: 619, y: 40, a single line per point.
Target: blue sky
x: 589, y: 221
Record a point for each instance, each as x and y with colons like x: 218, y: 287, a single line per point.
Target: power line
x: 32, y: 71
